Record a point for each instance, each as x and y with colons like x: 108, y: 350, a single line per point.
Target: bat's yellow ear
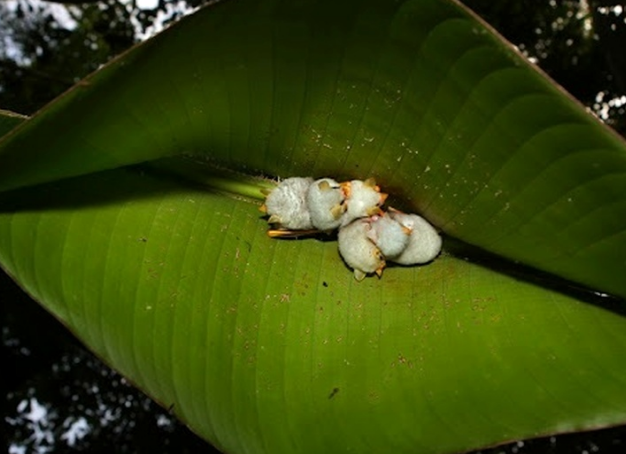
x: 324, y: 185
x: 374, y: 211
x: 338, y: 210
x: 371, y: 183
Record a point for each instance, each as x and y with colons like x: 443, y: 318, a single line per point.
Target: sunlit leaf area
x: 58, y: 396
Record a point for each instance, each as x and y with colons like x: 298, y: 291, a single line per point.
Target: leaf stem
x: 215, y: 177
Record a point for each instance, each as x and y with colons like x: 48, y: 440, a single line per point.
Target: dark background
x: 52, y: 386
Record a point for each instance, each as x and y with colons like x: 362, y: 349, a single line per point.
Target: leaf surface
x: 271, y: 346
x: 419, y: 94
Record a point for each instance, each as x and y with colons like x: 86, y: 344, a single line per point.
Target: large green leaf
x: 417, y: 93
x: 271, y: 346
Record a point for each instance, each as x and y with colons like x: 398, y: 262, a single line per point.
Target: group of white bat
x: 368, y: 236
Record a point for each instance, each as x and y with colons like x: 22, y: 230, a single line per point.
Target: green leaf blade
x: 450, y: 356
x: 419, y: 95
